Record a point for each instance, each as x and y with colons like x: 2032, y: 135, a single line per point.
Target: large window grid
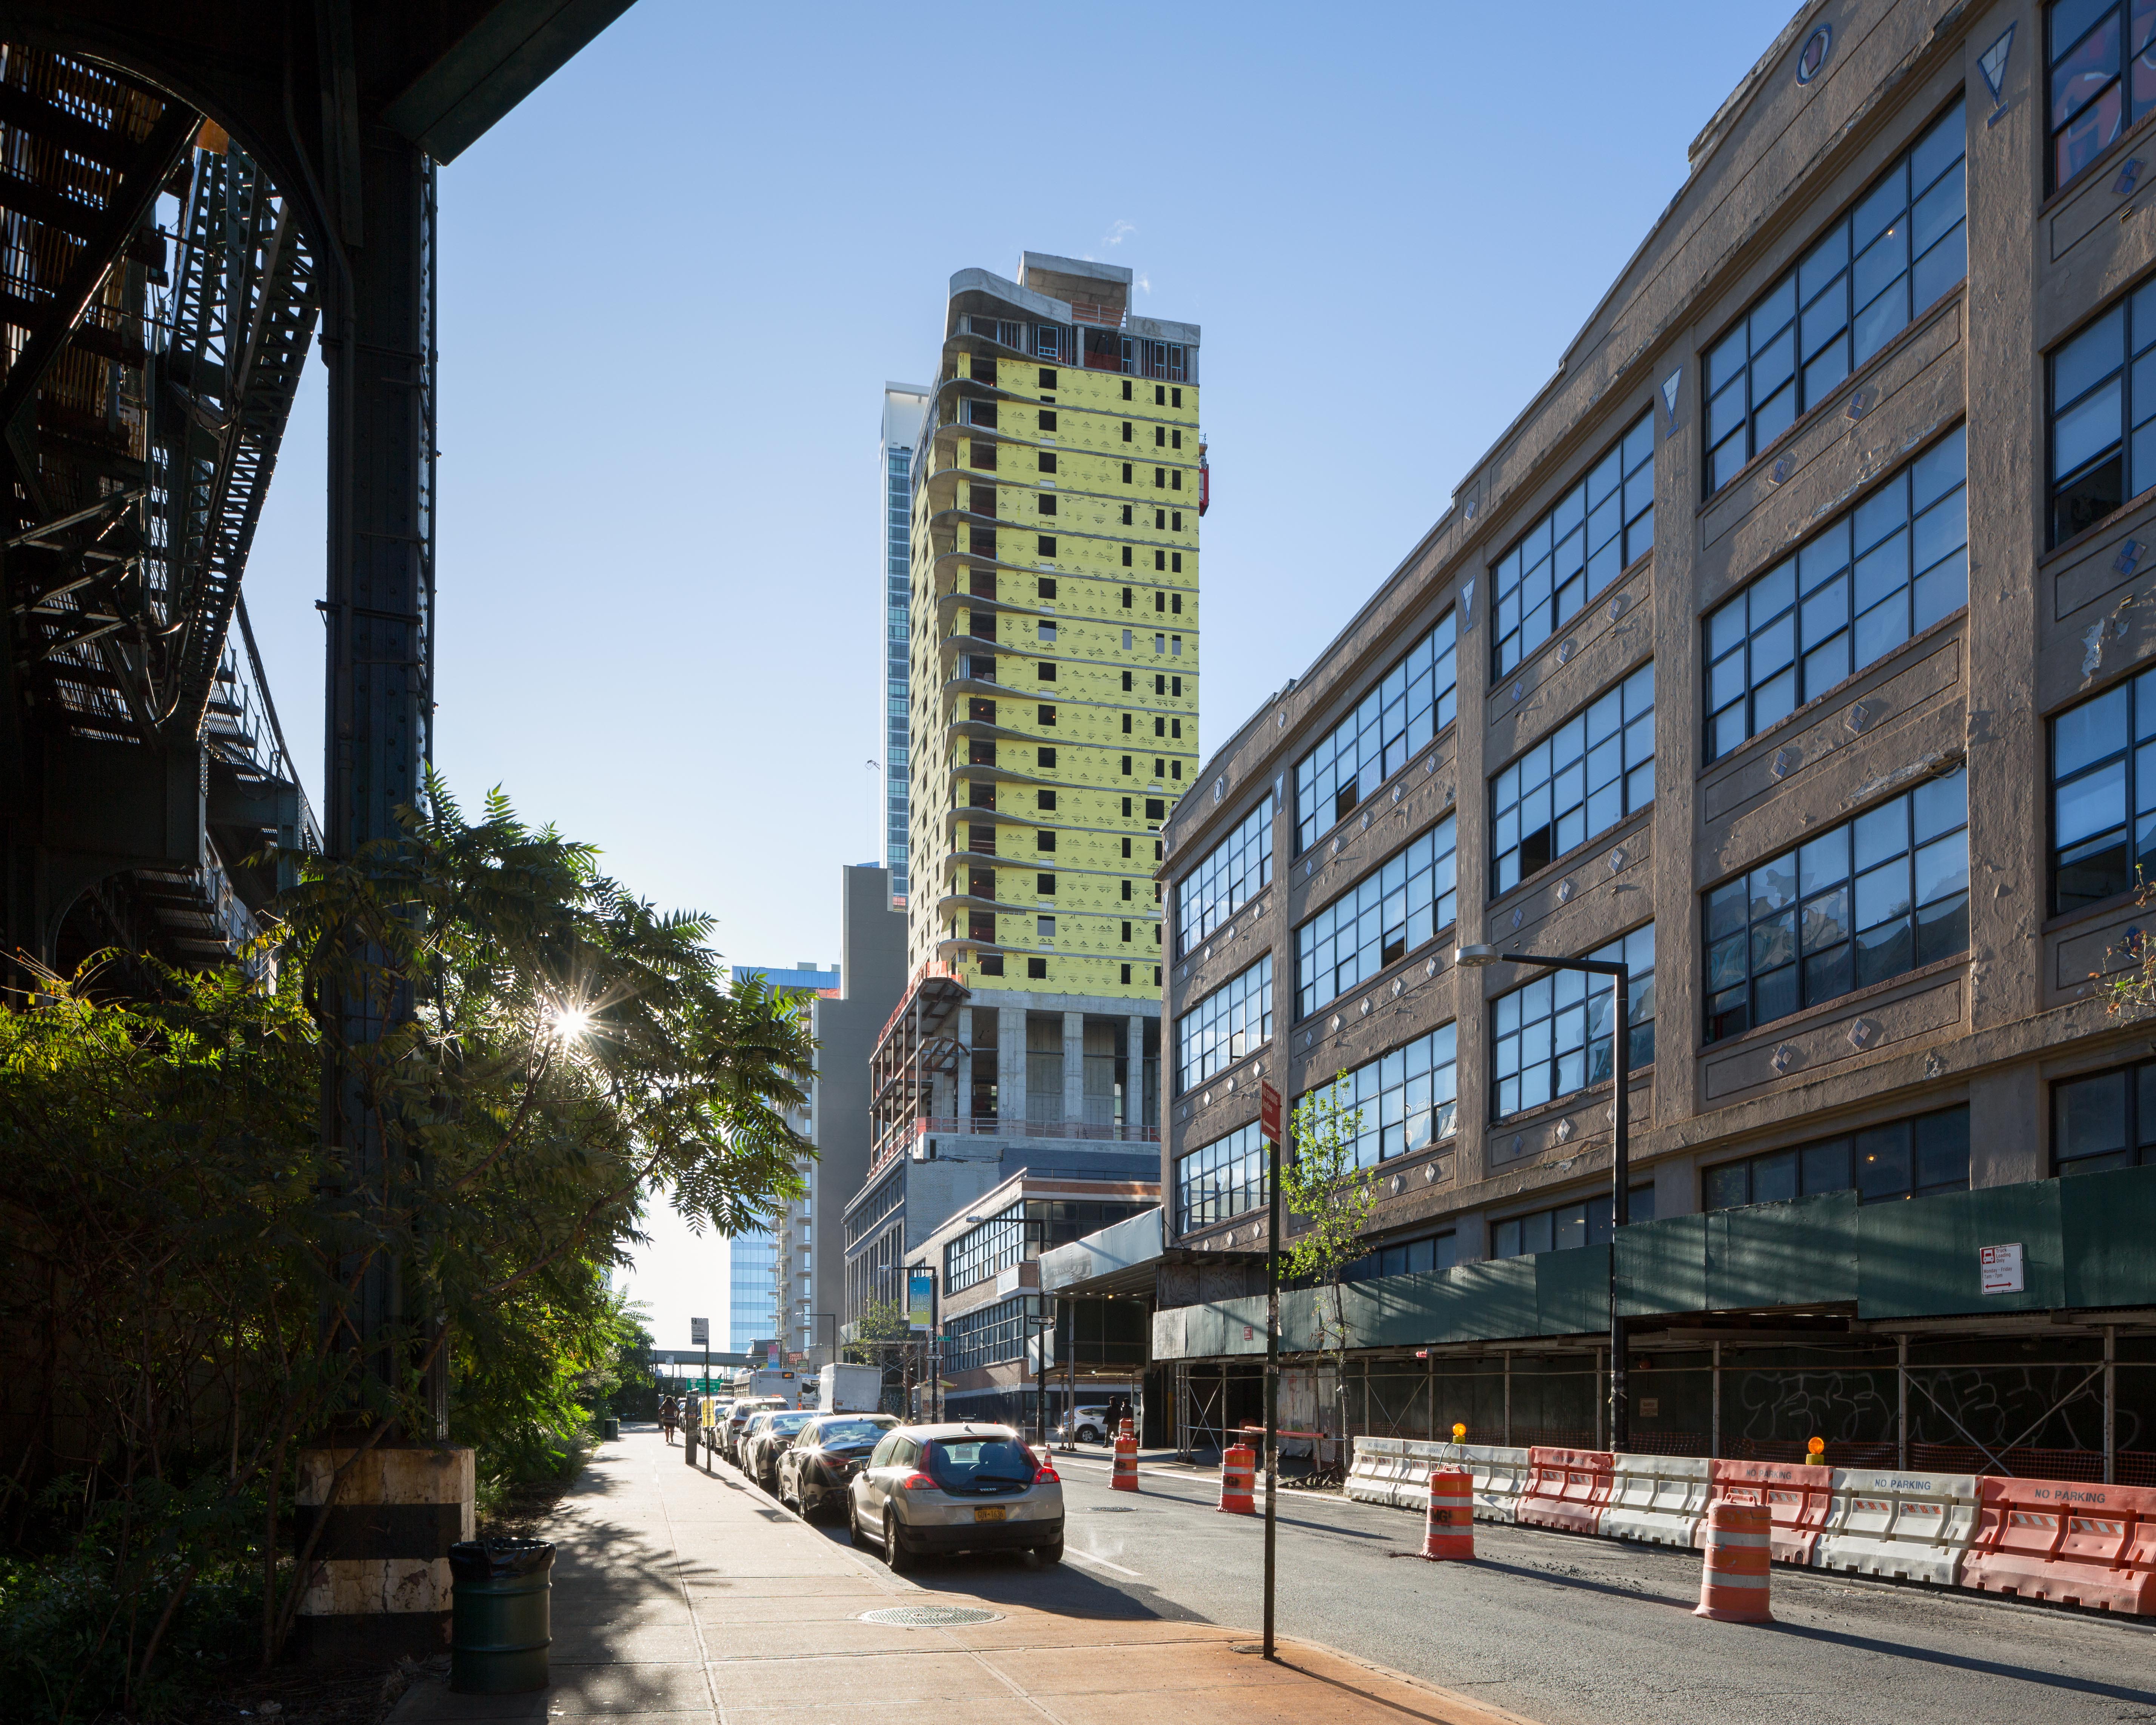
x: 1228, y: 877
x: 985, y: 1337
x: 1222, y: 1180
x: 1863, y: 901
x: 1408, y: 1097
x: 1411, y: 703
x: 2105, y: 1121
x: 981, y: 1252
x: 1889, y: 569
x: 1405, y: 1257
x: 1904, y: 1158
x: 1597, y: 530
x: 1580, y: 780
x: 1551, y: 1035
x: 1904, y: 245
x: 2092, y: 104
x: 2104, y: 415
x: 1379, y: 921
x: 1566, y: 1225
x: 1234, y: 1020
x: 2104, y: 795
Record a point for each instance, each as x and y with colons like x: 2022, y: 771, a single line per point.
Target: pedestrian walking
x: 669, y: 1417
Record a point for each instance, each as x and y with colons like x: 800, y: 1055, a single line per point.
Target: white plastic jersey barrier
x: 1397, y: 1471
x: 1659, y: 1500
x: 1912, y: 1526
x: 1374, y: 1474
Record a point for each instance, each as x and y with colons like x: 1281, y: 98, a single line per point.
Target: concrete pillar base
x: 377, y: 1585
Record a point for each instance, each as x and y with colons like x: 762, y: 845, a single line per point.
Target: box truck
x: 849, y: 1389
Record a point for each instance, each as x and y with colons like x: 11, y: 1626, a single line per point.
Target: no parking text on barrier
x: 2072, y: 1544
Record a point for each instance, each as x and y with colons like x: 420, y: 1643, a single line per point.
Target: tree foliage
x: 535, y: 1056
x: 1330, y: 1200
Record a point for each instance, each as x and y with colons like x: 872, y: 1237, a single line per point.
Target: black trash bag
x: 499, y: 1559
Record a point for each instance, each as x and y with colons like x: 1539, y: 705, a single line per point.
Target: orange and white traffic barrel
x: 1127, y: 1463
x: 1238, y: 1468
x: 1449, y: 1532
x: 1732, y: 1587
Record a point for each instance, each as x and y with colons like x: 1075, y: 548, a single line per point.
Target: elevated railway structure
x: 192, y: 192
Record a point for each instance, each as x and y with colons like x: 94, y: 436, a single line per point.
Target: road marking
x: 1086, y: 1557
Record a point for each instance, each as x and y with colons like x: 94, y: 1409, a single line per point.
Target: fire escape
x: 145, y: 394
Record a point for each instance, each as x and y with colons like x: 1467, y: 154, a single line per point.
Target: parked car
x: 768, y: 1433
x: 737, y: 1421
x: 955, y: 1487
x: 814, y: 1471
x: 1084, y: 1425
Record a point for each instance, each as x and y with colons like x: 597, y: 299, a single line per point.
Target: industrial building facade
x: 1057, y: 481
x: 1787, y: 649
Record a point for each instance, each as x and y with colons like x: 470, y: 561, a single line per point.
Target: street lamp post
x: 1481, y: 957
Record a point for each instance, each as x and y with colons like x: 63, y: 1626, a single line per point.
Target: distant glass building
x: 752, y: 1303
x: 903, y: 405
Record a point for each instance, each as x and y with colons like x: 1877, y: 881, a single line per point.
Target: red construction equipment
x: 1567, y: 1488
x: 1125, y: 1478
x: 1796, y: 1497
x: 1449, y: 1533
x: 1239, y: 1467
x: 2075, y: 1544
x: 1733, y: 1585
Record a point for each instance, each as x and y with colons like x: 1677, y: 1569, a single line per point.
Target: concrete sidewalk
x: 694, y: 1600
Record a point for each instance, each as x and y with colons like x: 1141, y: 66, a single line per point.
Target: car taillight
x: 1047, y: 1475
x: 917, y: 1482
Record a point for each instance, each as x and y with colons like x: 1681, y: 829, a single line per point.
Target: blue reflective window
x: 1600, y: 527
x: 1411, y: 703
x: 1890, y: 568
x: 1863, y: 282
x: 1382, y: 918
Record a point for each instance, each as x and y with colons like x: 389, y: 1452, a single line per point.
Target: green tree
x: 883, y: 1337
x: 556, y: 1056
x: 1329, y: 1201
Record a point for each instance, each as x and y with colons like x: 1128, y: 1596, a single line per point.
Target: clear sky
x: 675, y: 281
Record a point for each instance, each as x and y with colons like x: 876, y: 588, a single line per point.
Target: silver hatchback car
x: 956, y: 1487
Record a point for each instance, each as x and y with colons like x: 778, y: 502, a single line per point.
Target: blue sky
x: 675, y: 281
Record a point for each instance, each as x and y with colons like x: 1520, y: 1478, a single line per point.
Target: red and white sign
x: 1269, y: 1111
x: 1999, y: 1269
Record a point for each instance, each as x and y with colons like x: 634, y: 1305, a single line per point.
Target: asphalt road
x: 1573, y: 1631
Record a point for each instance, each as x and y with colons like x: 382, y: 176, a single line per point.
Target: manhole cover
x: 930, y: 1616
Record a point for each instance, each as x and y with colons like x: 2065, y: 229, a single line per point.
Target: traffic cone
x: 1450, y: 1531
x: 1238, y: 1468
x: 1732, y: 1586
x: 1127, y: 1463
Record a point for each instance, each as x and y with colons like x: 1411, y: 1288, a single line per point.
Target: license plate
x: 996, y: 1514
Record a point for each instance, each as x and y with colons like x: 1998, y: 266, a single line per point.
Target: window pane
x: 1726, y: 1186
x: 1883, y: 1162
x: 2091, y: 1114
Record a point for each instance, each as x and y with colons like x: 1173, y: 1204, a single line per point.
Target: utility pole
x: 1269, y: 1124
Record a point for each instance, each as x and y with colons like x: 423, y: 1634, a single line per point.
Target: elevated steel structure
x: 139, y: 431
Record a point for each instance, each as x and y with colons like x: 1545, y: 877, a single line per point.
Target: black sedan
x: 824, y: 1456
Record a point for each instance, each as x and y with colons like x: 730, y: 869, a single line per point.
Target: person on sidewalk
x: 669, y: 1417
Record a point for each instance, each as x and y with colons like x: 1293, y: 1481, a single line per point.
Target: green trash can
x: 611, y: 1431
x: 500, y: 1620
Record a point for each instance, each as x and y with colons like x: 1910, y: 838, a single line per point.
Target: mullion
x: 2098, y: 863
x: 1810, y: 376
x: 1813, y: 594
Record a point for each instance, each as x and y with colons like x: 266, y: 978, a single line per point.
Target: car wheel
x: 1049, y: 1553
x: 1087, y: 1434
x: 861, y: 1540
x: 896, y: 1553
